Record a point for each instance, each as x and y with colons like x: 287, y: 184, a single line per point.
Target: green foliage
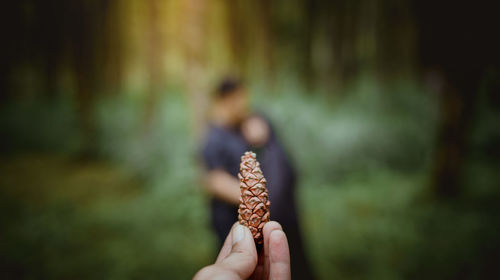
x: 39, y: 125
x: 140, y: 212
x: 367, y: 129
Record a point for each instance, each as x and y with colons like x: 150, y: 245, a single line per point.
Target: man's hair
x: 227, y: 86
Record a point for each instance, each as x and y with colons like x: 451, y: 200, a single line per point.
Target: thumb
x: 243, y: 257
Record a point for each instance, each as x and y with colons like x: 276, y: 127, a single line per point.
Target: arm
x: 222, y: 185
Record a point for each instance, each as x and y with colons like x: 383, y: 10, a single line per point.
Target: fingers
x: 268, y: 228
x: 243, y: 256
x: 237, y: 259
x: 226, y: 248
x: 279, y: 256
x: 214, y: 272
x: 238, y: 256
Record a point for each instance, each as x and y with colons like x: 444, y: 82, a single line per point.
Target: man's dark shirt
x: 223, y: 150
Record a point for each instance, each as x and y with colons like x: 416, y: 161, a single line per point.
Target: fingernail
x: 238, y: 233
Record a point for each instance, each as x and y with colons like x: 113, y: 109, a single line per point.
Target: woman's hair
x: 227, y: 86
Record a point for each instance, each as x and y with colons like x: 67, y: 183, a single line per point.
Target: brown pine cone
x: 254, y: 203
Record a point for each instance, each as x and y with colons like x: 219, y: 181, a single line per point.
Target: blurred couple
x: 234, y: 129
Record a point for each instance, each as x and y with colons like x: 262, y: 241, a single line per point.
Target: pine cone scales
x: 254, y: 204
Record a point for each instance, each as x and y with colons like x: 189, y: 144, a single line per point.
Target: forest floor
x: 41, y: 179
x: 66, y: 218
x: 91, y: 219
x: 71, y: 219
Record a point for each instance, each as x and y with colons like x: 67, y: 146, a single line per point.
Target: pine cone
x: 254, y: 203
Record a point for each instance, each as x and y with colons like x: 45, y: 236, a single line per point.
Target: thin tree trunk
x: 237, y: 36
x: 456, y: 107
x: 311, y: 15
x: 194, y: 46
x: 154, y: 62
x: 264, y: 10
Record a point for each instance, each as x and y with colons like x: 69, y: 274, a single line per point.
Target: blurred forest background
x: 389, y: 110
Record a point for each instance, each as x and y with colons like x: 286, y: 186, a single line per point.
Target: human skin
x: 222, y: 185
x: 240, y: 259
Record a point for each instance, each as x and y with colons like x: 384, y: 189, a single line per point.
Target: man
x: 233, y: 131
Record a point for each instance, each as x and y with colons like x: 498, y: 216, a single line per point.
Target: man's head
x: 231, y: 101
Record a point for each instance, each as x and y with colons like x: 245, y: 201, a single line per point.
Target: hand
x: 238, y: 257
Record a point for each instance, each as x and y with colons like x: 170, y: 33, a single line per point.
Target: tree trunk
x: 154, y: 62
x: 194, y: 46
